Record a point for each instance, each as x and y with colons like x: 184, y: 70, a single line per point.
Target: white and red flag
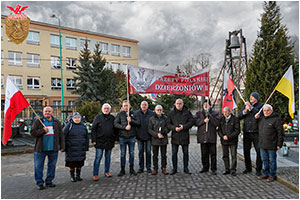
x: 143, y: 80
x: 228, y: 88
x: 15, y: 102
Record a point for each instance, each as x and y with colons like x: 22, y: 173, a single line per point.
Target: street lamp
x: 61, y: 70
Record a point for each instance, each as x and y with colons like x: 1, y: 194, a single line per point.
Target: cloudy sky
x: 168, y: 32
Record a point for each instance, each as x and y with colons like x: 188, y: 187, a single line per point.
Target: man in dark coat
x: 180, y: 120
x: 143, y: 137
x: 104, y: 135
x: 49, y: 139
x: 229, y: 131
x: 127, y: 135
x: 207, y: 122
x: 250, y: 132
x: 270, y: 129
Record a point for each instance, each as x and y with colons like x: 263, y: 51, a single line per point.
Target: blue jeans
x: 98, y: 158
x: 123, y: 146
x: 185, y: 151
x: 144, y: 146
x: 269, y: 160
x: 39, y: 160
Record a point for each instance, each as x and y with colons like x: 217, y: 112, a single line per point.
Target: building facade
x: 34, y: 65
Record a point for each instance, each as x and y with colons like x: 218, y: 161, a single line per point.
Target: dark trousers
x: 163, y: 153
x: 185, y: 151
x: 248, y: 139
x: 209, y: 150
x: 233, y: 152
x: 144, y: 147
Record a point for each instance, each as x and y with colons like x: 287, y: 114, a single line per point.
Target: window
x: 2, y: 81
x: 54, y: 40
x: 82, y: 43
x: 2, y: 57
x: 33, y: 38
x: 71, y: 103
x: 33, y: 60
x: 56, y: 103
x: 17, y: 80
x: 33, y: 83
x: 1, y: 32
x: 126, y: 51
x: 55, y: 62
x: 71, y: 43
x: 14, y: 58
x: 115, y: 49
x: 70, y: 84
x: 104, y: 48
x: 55, y: 83
x: 115, y: 66
x: 71, y: 63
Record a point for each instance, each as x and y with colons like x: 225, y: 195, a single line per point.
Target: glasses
x: 158, y: 109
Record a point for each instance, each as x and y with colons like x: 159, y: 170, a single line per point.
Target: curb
x: 281, y: 180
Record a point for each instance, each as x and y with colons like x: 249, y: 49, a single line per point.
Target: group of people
x: 150, y: 129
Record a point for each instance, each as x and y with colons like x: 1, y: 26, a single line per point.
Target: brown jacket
x: 37, y: 131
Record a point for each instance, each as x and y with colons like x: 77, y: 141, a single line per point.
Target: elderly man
x: 127, y: 135
x: 270, y: 129
x: 49, y: 139
x: 143, y: 137
x: 180, y: 120
x: 250, y: 132
x: 207, y: 122
x: 229, y: 130
x: 104, y: 135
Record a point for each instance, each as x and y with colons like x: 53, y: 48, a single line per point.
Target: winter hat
x: 255, y: 95
x: 76, y: 114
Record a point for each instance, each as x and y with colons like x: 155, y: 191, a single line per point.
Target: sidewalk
x: 18, y: 181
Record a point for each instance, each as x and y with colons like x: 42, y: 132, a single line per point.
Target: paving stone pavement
x: 17, y: 181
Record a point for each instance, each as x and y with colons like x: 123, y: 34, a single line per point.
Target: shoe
x: 140, y: 171
x: 164, y: 171
x: 149, y: 170
x: 72, y: 174
x: 173, y: 172
x: 40, y: 187
x: 122, y: 172
x: 50, y: 185
x: 73, y: 179
x: 233, y: 173
x: 107, y: 175
x: 78, y: 171
x: 95, y: 178
x: 270, y: 179
x: 213, y: 173
x: 132, y: 170
x: 154, y: 172
x: 226, y: 172
x: 203, y: 171
x: 187, y: 171
x: 262, y: 177
x: 258, y: 173
x: 246, y: 171
x: 78, y: 178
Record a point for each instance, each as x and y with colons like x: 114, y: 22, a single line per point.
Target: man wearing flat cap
x: 250, y: 132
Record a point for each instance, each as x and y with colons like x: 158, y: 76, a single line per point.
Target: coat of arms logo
x: 17, y: 24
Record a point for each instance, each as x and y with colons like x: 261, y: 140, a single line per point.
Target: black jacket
x: 270, y: 131
x: 231, y: 129
x: 249, y: 120
x: 177, y: 117
x: 121, y: 123
x: 77, y: 141
x: 153, y: 128
x: 142, y: 129
x: 103, y: 131
x: 213, y: 123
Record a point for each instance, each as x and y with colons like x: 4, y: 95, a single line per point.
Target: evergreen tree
x: 271, y: 57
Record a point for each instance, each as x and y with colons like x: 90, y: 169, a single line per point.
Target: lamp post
x: 61, y: 70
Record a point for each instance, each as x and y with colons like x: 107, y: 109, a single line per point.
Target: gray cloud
x: 168, y: 32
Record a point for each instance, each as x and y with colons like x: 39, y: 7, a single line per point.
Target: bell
x: 234, y: 43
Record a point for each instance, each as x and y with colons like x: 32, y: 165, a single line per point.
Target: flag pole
x: 239, y: 94
x: 128, y: 91
x: 267, y: 100
x: 37, y: 116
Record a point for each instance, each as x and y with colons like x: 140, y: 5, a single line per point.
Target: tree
x: 89, y: 109
x: 272, y: 55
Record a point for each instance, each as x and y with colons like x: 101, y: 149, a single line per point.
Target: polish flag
x: 15, y: 102
x: 228, y: 88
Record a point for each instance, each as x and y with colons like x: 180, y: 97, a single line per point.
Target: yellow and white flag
x: 286, y: 87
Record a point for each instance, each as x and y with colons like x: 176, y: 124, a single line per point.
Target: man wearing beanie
x: 250, y: 132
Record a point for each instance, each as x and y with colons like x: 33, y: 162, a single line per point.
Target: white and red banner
x: 15, y: 102
x: 143, y: 80
x: 228, y: 88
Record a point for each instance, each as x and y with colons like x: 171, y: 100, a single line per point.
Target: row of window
x: 34, y: 83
